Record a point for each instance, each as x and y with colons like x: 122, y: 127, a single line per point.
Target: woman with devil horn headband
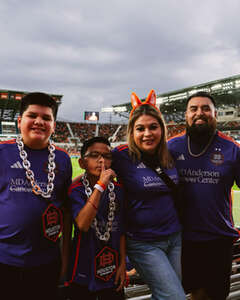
x: 147, y: 172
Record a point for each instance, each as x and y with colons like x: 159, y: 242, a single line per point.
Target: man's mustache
x: 200, y: 118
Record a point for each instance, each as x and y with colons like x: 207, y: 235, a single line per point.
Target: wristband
x: 93, y: 205
x: 99, y: 188
x: 127, y: 280
x: 101, y: 184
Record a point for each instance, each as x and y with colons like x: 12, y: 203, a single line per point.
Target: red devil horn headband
x: 136, y: 102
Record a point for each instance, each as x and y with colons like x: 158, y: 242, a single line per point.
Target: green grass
x: 236, y: 208
x: 76, y: 168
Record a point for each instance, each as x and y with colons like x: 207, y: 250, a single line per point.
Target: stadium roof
x: 10, y: 103
x: 226, y: 91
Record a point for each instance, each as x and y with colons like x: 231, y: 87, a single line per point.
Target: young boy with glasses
x: 98, y: 260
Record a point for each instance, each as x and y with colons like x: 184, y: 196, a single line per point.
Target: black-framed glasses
x: 97, y: 155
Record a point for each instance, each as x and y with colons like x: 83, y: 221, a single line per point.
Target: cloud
x: 96, y: 53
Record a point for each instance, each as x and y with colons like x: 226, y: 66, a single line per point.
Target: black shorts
x: 36, y: 283
x: 77, y: 291
x: 208, y: 265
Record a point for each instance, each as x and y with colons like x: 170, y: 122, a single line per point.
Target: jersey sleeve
x: 116, y: 159
x: 172, y: 147
x: 77, y: 198
x: 120, y: 160
x: 122, y: 212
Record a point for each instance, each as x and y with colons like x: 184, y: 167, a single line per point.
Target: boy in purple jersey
x: 98, y: 254
x: 35, y: 176
x: 208, y: 163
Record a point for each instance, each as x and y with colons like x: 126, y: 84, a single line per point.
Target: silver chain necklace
x: 112, y: 207
x: 204, y: 149
x: 29, y: 173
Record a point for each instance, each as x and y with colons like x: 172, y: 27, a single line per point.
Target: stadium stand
x: 71, y: 135
x: 116, y: 132
x: 66, y: 132
x: 83, y: 130
x: 232, y: 125
x: 175, y: 117
x: 175, y: 129
x: 61, y: 133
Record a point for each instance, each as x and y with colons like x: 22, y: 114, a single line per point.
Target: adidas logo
x: 141, y: 166
x: 17, y: 165
x: 181, y: 157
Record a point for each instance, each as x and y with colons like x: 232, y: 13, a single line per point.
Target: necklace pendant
x: 52, y: 222
x: 106, y: 263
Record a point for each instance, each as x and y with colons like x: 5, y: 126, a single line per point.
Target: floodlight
x: 119, y: 108
x: 216, y: 87
x: 192, y: 92
x: 107, y: 109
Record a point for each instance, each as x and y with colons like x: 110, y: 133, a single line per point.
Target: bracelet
x: 101, y: 184
x: 93, y: 205
x: 127, y: 280
x: 99, y: 188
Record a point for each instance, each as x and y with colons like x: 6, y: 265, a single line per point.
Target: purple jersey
x: 22, y: 242
x: 86, y: 245
x: 151, y: 213
x: 207, y: 181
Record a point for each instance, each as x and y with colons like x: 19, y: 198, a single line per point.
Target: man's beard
x: 201, y: 133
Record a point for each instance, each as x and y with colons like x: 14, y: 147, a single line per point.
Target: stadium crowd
x: 83, y: 131
x: 117, y: 132
x: 62, y: 133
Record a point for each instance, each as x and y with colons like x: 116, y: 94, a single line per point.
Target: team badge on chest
x: 52, y: 222
x: 106, y: 263
x: 217, y: 158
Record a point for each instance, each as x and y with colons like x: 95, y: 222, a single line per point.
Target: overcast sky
x: 96, y: 52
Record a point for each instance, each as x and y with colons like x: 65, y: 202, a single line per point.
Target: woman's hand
x: 120, y: 277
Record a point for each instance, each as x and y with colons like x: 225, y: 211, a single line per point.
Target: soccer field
x: 236, y: 193
x: 76, y: 168
x: 236, y: 207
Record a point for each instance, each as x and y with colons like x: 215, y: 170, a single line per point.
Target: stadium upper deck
x: 226, y: 91
x: 10, y: 101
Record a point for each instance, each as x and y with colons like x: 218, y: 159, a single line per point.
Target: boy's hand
x: 106, y: 175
